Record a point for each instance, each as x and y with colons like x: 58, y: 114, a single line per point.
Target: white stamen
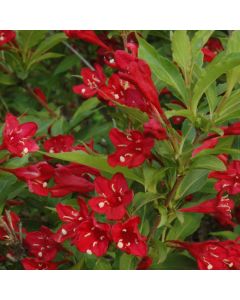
x: 122, y: 159
x: 40, y: 254
x: 25, y: 150
x: 51, y: 150
x: 44, y: 184
x: 87, y: 234
x: 209, y: 267
x: 101, y: 204
x: 112, y: 61
x: 120, y: 244
x: 83, y: 91
x: 64, y: 231
x: 89, y: 252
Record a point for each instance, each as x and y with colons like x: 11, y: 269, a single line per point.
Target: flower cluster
x: 128, y: 190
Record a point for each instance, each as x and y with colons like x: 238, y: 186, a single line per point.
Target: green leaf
x: 29, y: 39
x: 67, y: 63
x: 133, y: 113
x: 163, y: 216
x: 102, y: 264
x: 192, y: 182
x: 181, y: 48
x: 209, y: 162
x: 229, y: 235
x: 83, y: 111
x: 212, y: 97
x: 152, y: 177
x: 182, y: 231
x: 230, y: 109
x: 233, y: 46
x: 141, y: 199
x: 163, y: 69
x: 158, y: 251
x: 7, y: 79
x: 213, y: 71
x: 48, y: 43
x: 43, y: 57
x: 177, y: 261
x: 96, y: 161
x: 181, y: 112
x: 126, y: 262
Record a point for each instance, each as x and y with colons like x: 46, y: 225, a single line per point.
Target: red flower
x: 41, y: 244
x: 72, y: 178
x: 86, y: 35
x: 32, y: 263
x: 207, y: 144
x: 220, y: 207
x: 145, y: 263
x: 211, y: 49
x: 229, y: 180
x: 40, y: 94
x: 114, y: 90
x: 93, y: 81
x: 17, y: 138
x: 233, y: 129
x: 12, y: 221
x: 72, y: 218
x: 36, y: 176
x: 59, y: 143
x: 128, y: 239
x: 132, y: 148
x: 155, y: 130
x: 114, y: 196
x: 134, y: 98
x: 214, y: 255
x: 92, y: 237
x: 6, y: 36
x: 138, y: 72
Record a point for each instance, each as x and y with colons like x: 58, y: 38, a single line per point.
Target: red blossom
x: 72, y: 218
x: 72, y: 178
x: 207, y: 144
x: 17, y: 138
x: 211, y: 49
x: 32, y: 263
x: 6, y: 36
x: 134, y: 98
x: 145, y: 263
x: 59, y: 143
x: 93, y: 80
x: 132, y: 148
x: 36, y: 176
x: 213, y: 254
x: 138, y: 72
x: 114, y: 90
x: 128, y: 239
x: 92, y: 237
x: 229, y: 180
x: 220, y: 208
x: 114, y: 196
x: 155, y: 130
x: 41, y: 244
x: 87, y: 36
